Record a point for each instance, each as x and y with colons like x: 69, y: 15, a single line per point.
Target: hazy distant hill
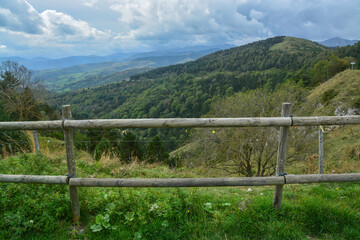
x: 41, y: 63
x: 46, y: 63
x: 96, y: 74
x: 338, y: 42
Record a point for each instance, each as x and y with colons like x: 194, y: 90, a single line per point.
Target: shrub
x: 155, y: 151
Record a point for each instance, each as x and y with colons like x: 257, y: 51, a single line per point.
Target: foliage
x: 28, y: 208
x: 326, y: 69
x: 130, y: 148
x: 248, y: 151
x: 101, y: 222
x: 350, y: 53
x: 102, y: 148
x: 156, y: 152
x: 16, y: 92
x: 19, y: 101
x: 12, y: 142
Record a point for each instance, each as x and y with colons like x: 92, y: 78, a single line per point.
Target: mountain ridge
x: 43, y: 63
x: 338, y: 42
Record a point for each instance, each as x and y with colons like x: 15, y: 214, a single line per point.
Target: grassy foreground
x: 322, y: 211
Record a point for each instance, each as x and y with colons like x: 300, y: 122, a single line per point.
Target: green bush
x: 156, y: 152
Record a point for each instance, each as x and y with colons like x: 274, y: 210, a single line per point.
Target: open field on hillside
x: 318, y: 211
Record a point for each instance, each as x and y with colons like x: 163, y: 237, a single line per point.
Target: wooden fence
x: 284, y: 122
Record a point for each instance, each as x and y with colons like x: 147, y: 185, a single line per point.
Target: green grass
x: 345, y: 85
x: 297, y: 45
x: 322, y: 211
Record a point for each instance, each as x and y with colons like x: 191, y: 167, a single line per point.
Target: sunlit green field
x: 319, y: 211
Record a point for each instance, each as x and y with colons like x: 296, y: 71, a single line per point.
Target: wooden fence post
x: 321, y: 150
x: 281, y: 157
x: 70, y: 160
x: 36, y: 141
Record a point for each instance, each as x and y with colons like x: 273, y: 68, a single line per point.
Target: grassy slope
x: 298, y: 45
x: 43, y: 211
x: 346, y: 86
x: 342, y: 144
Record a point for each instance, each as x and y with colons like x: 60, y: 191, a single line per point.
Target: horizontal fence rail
x: 181, y: 182
x: 8, y: 178
x: 181, y: 123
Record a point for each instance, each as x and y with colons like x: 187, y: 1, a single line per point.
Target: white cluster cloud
x: 60, y: 24
x: 19, y: 17
x: 187, y: 21
x: 89, y: 3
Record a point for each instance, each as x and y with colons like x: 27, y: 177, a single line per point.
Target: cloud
x: 316, y: 20
x: 89, y: 3
x: 3, y: 46
x: 61, y: 24
x: 187, y: 21
x: 19, y: 17
x: 82, y: 26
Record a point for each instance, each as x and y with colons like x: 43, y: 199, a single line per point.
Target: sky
x: 61, y: 28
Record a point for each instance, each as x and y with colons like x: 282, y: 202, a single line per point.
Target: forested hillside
x: 187, y: 90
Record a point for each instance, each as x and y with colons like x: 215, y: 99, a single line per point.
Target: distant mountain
x: 338, y: 42
x: 100, y: 73
x: 46, y: 63
x: 41, y: 63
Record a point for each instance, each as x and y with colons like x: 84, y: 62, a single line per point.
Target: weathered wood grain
x: 212, y: 182
x: 36, y: 141
x: 31, y: 125
x: 181, y: 123
x: 8, y: 178
x: 179, y: 182
x: 175, y: 182
x: 70, y: 161
x: 320, y: 178
x: 281, y: 156
x: 321, y: 150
